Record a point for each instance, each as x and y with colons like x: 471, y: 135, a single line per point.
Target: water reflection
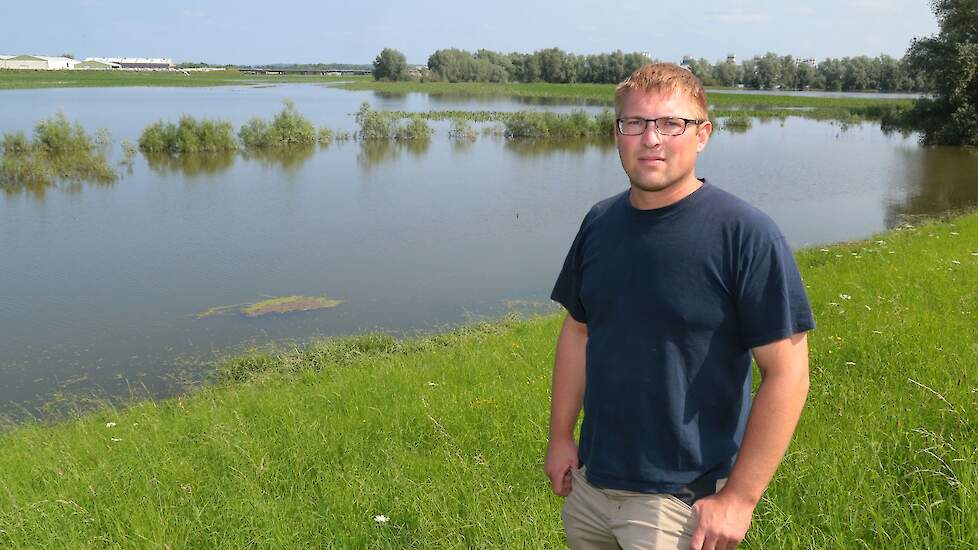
x: 377, y: 151
x: 190, y: 164
x: 386, y: 95
x: 34, y: 172
x: 533, y: 148
x: 288, y: 159
x: 940, y: 180
x: 445, y: 98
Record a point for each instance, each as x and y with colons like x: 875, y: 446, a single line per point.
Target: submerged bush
x: 188, y: 136
x: 375, y: 124
x: 461, y: 129
x: 325, y: 136
x: 288, y: 128
x: 737, y: 123
x: 528, y: 124
x: 60, y: 150
x: 15, y: 142
x: 57, y: 135
x: 416, y: 128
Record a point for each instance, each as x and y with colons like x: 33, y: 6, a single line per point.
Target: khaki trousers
x: 609, y: 519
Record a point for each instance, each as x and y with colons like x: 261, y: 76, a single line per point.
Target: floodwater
x: 102, y: 283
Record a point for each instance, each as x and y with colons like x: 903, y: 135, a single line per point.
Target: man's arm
x: 567, y: 393
x: 723, y: 518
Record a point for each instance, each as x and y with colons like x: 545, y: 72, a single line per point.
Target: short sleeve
x: 771, y: 300
x: 567, y: 290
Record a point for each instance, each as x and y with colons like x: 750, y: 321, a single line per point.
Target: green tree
x: 830, y: 72
x: 727, y: 74
x: 948, y: 62
x: 806, y: 77
x: 390, y: 65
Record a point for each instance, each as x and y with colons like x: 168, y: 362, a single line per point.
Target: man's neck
x: 649, y: 200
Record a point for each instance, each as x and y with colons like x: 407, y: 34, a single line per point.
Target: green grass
x: 445, y: 434
x: 11, y: 79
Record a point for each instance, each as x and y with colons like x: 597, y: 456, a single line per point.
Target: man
x: 671, y: 287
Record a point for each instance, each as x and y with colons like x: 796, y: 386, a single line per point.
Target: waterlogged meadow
x: 63, y: 151
x: 438, y: 442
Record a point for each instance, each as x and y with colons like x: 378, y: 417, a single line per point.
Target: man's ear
x: 703, y: 134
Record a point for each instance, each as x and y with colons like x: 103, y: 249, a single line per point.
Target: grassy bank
x: 438, y: 442
x: 11, y: 79
x: 762, y: 104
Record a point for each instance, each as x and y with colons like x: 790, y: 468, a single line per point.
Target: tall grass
x: 189, y: 135
x: 444, y: 435
x: 288, y: 128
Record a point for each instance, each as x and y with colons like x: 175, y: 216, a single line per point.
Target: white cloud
x: 194, y: 13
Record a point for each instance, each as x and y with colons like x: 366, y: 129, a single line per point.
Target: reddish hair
x: 659, y: 78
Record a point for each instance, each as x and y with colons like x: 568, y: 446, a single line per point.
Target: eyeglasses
x: 664, y: 125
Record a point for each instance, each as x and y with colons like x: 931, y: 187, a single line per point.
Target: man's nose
x: 651, y: 137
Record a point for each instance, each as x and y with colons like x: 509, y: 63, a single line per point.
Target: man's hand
x: 722, y: 521
x: 561, y: 458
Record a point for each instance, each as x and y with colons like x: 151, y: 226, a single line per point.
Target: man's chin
x: 651, y: 187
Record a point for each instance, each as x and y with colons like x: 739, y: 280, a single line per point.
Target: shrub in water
x: 325, y: 136
x: 57, y: 135
x: 188, y: 136
x: 416, y: 128
x: 288, y: 128
x: 461, y: 129
x: 15, y: 143
x: 60, y: 150
x: 375, y: 124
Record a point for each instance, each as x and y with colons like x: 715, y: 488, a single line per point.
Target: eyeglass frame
x: 655, y: 124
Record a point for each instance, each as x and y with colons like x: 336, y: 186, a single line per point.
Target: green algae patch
x: 279, y: 305
x: 289, y: 304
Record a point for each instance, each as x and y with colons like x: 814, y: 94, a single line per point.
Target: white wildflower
x: 432, y: 384
x: 381, y: 519
x: 880, y: 242
x: 845, y: 296
x: 955, y: 233
x: 867, y: 307
x: 116, y: 439
x: 877, y: 332
x: 110, y: 424
x: 955, y: 262
x: 823, y: 249
x: 850, y: 364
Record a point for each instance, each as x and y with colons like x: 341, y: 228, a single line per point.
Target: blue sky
x: 304, y: 31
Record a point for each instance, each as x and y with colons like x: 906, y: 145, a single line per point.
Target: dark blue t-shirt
x: 673, y: 299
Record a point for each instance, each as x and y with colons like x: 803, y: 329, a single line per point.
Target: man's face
x: 655, y: 162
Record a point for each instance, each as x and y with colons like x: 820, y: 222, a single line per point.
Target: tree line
x: 768, y: 71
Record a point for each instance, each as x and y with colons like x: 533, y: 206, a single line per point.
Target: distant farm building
x: 135, y: 62
x: 91, y: 64
x: 37, y: 62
